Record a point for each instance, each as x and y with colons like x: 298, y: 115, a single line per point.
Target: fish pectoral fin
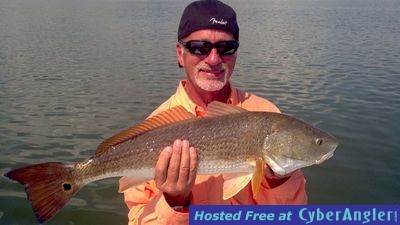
x: 233, y: 183
x: 127, y: 182
x: 258, y: 177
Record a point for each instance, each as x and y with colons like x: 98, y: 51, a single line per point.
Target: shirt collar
x: 198, y: 110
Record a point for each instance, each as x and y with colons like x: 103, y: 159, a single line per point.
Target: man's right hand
x: 176, y: 171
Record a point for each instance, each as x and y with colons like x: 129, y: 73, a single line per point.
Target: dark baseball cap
x: 208, y: 14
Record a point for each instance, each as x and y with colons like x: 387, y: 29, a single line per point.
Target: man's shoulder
x: 254, y: 102
x: 164, y: 106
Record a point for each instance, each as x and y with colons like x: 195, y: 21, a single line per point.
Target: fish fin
x: 170, y: 116
x: 127, y: 182
x: 258, y: 176
x: 216, y: 108
x: 47, y: 186
x: 233, y: 183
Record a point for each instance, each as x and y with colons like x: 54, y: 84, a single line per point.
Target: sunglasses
x: 204, y: 48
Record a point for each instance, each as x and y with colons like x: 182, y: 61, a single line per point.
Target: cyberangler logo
x: 215, y: 21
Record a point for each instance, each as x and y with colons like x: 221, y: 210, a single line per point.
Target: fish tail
x: 48, y: 186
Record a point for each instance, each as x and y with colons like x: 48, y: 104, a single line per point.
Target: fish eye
x: 319, y: 141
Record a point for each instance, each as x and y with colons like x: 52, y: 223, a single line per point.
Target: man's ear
x: 179, y: 54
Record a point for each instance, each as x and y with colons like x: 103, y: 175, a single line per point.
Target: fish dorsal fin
x: 233, y: 183
x: 216, y: 108
x: 175, y: 114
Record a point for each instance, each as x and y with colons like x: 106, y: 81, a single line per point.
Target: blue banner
x: 304, y: 214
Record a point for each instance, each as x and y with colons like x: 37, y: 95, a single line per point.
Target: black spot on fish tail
x: 67, y: 187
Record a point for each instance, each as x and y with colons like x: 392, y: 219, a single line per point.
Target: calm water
x: 75, y: 72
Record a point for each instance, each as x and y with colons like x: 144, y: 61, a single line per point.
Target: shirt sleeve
x: 148, y: 206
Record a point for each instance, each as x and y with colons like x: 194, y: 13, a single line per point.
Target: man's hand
x: 176, y: 171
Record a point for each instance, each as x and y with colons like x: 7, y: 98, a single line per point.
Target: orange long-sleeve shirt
x: 147, y: 205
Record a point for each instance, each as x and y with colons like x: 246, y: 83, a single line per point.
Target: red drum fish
x: 228, y: 140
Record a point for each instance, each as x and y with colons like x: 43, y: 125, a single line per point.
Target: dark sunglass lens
x: 227, y: 47
x: 199, y: 47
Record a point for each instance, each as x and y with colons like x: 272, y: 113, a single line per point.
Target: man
x: 208, y: 37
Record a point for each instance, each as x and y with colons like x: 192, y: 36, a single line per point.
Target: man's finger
x: 185, y: 162
x: 162, y: 165
x: 193, y: 166
x: 174, y: 164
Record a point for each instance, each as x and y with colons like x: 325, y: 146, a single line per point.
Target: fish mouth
x: 324, y: 157
x: 288, y: 165
x: 331, y: 147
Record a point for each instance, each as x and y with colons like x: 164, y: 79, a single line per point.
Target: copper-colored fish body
x: 228, y: 140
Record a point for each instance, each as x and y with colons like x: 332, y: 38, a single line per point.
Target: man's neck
x: 205, y: 97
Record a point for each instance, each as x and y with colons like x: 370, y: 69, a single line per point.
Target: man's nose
x: 213, y: 58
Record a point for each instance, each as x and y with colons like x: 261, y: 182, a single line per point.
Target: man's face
x: 207, y: 72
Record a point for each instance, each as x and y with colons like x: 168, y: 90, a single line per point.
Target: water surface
x: 75, y: 72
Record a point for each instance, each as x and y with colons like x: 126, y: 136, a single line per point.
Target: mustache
x: 206, y: 67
